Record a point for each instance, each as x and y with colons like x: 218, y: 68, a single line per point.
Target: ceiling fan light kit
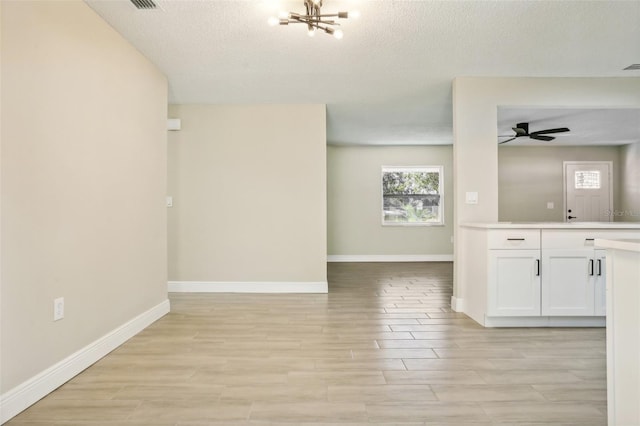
x: 314, y: 19
x: 522, y: 130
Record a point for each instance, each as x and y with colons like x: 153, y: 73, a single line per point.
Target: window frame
x: 429, y: 169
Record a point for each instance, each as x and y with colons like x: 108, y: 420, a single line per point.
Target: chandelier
x: 314, y: 19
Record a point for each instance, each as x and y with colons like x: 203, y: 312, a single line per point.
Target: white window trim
x: 439, y: 169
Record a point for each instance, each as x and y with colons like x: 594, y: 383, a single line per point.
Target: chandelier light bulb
x: 311, y: 32
x: 283, y: 15
x: 338, y: 34
x: 355, y: 14
x: 273, y: 21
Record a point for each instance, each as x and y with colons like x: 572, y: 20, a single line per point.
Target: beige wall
x: 630, y: 177
x: 249, y: 191
x: 355, y: 200
x: 83, y: 183
x: 475, y: 149
x: 529, y: 177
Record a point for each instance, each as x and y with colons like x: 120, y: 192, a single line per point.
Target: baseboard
x: 390, y: 258
x: 545, y: 322
x: 457, y: 304
x: 22, y: 396
x: 247, y: 287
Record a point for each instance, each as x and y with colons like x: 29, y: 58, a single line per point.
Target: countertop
x: 630, y: 244
x: 552, y: 225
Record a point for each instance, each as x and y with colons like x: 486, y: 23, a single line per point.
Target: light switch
x: 58, y: 308
x: 550, y: 205
x: 174, y: 124
x: 169, y: 201
x: 471, y: 198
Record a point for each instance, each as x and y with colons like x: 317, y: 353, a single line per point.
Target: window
x: 412, y: 195
x: 587, y: 179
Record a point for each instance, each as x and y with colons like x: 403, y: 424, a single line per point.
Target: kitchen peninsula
x: 536, y: 274
x: 623, y: 330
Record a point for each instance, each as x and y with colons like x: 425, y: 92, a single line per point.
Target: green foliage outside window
x: 411, y: 196
x: 408, y: 183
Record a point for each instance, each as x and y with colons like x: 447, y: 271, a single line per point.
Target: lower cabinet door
x: 600, y: 283
x: 514, y: 283
x: 568, y: 282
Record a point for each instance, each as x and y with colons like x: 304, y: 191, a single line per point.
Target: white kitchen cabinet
x: 514, y: 283
x: 535, y: 274
x: 568, y: 285
x: 573, y: 272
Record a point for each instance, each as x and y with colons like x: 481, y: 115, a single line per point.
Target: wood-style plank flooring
x: 383, y: 347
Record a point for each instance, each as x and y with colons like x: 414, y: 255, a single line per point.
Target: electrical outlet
x: 58, y: 308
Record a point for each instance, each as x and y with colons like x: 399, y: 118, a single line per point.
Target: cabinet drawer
x: 514, y: 239
x: 581, y: 238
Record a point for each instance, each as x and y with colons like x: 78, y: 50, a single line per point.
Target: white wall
x: 475, y: 156
x: 530, y: 176
x: 83, y: 183
x: 629, y: 210
x: 355, y: 200
x: 249, y: 190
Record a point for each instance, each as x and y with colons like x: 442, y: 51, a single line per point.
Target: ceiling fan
x: 522, y: 130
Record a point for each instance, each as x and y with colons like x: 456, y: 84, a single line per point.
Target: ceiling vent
x: 632, y: 67
x: 144, y: 4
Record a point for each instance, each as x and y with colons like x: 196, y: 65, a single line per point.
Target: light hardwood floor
x: 383, y: 347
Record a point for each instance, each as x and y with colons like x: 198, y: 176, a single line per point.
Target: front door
x: 588, y: 194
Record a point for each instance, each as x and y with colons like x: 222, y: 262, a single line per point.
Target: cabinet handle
x: 589, y: 239
x: 599, y: 267
x: 590, y: 266
x: 537, y: 267
x: 515, y: 239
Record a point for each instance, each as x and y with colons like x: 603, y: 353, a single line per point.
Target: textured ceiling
x: 588, y: 126
x: 389, y: 80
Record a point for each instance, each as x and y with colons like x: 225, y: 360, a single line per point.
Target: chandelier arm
x: 298, y: 20
x: 328, y: 15
x: 303, y: 20
x: 324, y: 22
x: 317, y: 25
x: 320, y: 27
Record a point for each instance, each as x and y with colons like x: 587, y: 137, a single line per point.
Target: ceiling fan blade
x: 541, y: 137
x: 558, y: 130
x: 508, y: 140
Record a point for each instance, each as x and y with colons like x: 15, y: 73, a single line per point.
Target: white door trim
x: 564, y: 182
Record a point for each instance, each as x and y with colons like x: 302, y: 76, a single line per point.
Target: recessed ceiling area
x: 389, y: 80
x: 588, y: 126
